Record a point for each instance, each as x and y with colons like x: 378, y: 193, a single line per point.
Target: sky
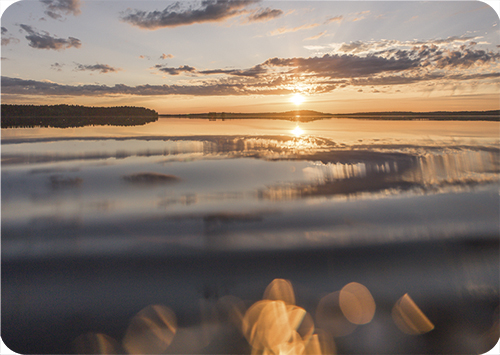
x: 252, y: 56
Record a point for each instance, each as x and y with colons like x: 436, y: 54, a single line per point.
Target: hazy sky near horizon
x: 252, y: 56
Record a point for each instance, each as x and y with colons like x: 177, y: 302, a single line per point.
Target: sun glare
x: 297, y: 99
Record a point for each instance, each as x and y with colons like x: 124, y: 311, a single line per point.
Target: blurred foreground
x: 404, y: 298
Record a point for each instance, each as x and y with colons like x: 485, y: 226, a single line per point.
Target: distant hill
x: 309, y: 115
x: 73, y: 116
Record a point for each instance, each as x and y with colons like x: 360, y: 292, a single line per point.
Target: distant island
x: 63, y: 116
x: 309, y: 115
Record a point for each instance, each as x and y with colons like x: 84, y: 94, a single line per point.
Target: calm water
x: 421, y: 196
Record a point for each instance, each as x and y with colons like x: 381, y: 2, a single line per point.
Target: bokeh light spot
x: 330, y: 317
x: 357, y: 303
x: 409, y: 318
x: 151, y: 331
x: 280, y: 289
x: 96, y: 343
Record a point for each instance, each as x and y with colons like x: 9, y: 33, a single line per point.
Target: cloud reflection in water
x: 234, y: 189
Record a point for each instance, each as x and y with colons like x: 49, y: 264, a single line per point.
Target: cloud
x: 354, y: 47
x: 319, y: 35
x: 451, y: 39
x: 7, y: 40
x: 178, y: 15
x: 407, y: 79
x: 377, y: 47
x: 176, y: 71
x: 350, y: 18
x: 101, y: 68
x: 265, y: 15
x: 145, y: 57
x: 343, y: 66
x: 166, y: 56
x: 464, y: 59
x: 57, y: 7
x: 334, y: 19
x: 15, y: 86
x: 426, y: 63
x: 362, y: 17
x: 283, y: 30
x: 56, y: 66
x: 390, y: 66
x: 279, y: 85
x: 418, y: 58
x: 255, y: 71
x: 406, y: 65
x: 45, y: 41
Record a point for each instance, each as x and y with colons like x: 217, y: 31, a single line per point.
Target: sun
x: 297, y: 99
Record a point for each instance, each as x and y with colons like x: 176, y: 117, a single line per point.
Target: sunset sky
x: 252, y: 56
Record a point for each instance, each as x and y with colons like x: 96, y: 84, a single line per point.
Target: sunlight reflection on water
x: 297, y: 131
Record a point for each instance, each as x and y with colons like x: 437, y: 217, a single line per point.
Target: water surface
x: 345, y: 197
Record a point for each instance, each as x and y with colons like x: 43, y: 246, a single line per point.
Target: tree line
x: 63, y: 116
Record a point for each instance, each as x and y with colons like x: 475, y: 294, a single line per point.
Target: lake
x: 201, y: 216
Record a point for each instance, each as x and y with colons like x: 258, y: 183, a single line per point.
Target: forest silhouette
x: 63, y: 116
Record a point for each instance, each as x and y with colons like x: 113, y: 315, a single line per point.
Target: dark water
x: 199, y: 218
